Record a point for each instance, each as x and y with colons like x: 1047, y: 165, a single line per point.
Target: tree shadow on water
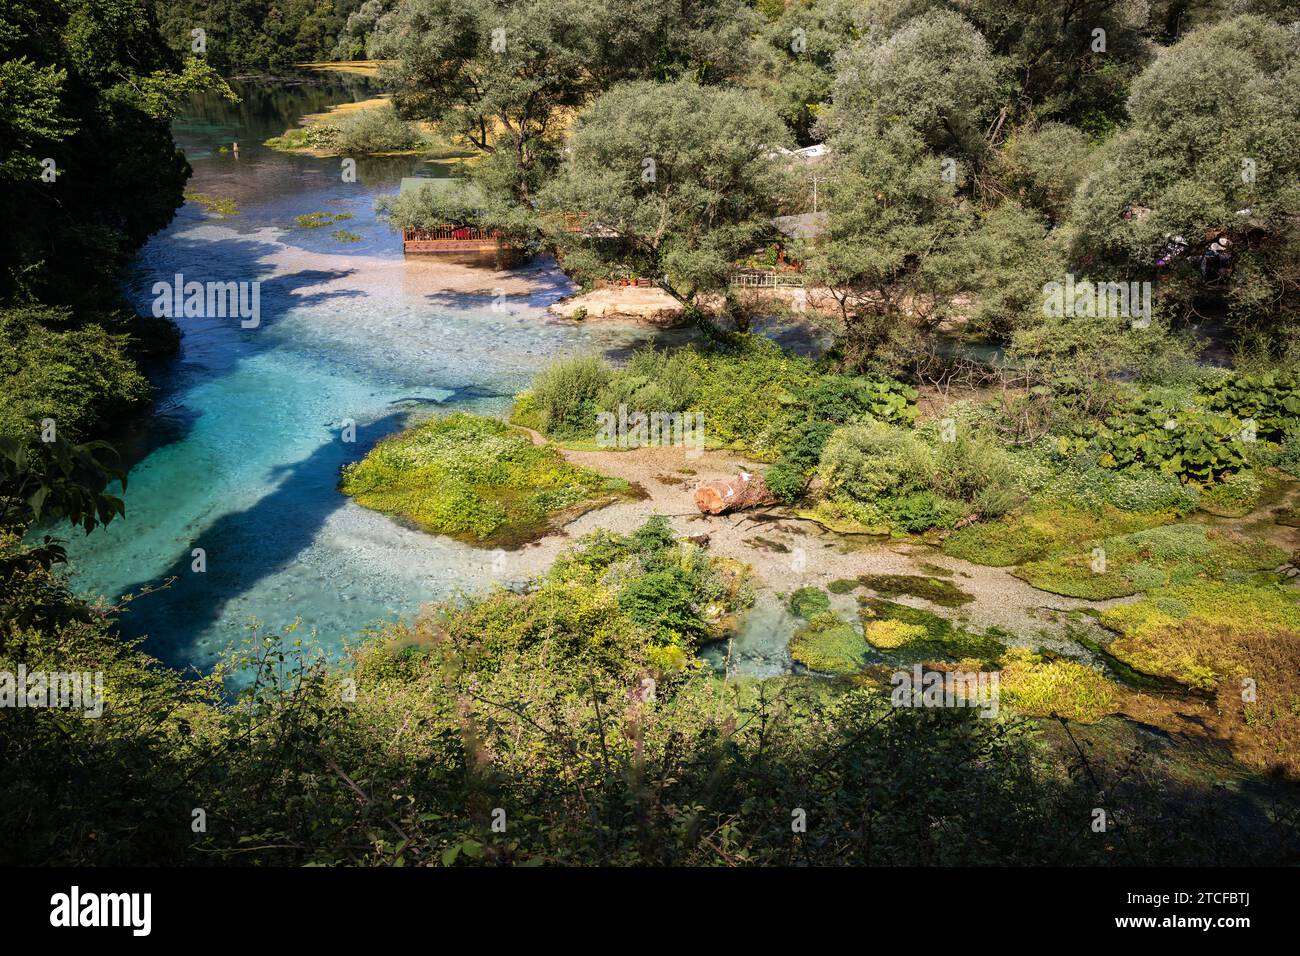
x: 241, y: 548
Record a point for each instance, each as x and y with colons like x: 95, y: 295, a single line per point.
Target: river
x: 240, y: 456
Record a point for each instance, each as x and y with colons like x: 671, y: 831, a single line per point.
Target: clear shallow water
x: 241, y: 454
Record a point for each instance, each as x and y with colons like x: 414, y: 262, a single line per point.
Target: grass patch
x: 1041, y: 684
x: 1042, y: 527
x: 934, y: 590
x: 477, y: 480
x: 1239, y: 642
x: 829, y: 644
x: 1144, y: 560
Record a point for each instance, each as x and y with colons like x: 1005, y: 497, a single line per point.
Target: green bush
x: 1271, y: 399
x: 378, y: 130
x: 566, y: 396
x: 977, y: 472
x: 77, y: 374
x: 871, y: 461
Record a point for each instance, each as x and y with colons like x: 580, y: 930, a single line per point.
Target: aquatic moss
x: 1126, y: 564
x: 217, y: 205
x: 829, y: 644
x: 934, y: 590
x: 890, y: 635
x: 1041, y: 684
x: 1237, y: 641
x: 1204, y: 632
x: 1041, y: 528
x: 316, y: 220
x: 475, y: 479
x: 942, y: 640
x: 843, y: 585
x: 809, y: 602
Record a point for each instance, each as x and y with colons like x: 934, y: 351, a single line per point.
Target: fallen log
x: 718, y: 495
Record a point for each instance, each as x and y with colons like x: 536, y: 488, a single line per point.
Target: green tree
x: 675, y: 180
x: 936, y: 73
x: 891, y: 218
x: 1213, y: 149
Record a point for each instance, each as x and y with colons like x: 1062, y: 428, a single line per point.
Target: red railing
x: 447, y: 234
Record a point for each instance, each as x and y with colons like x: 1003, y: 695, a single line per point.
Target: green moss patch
x: 934, y: 590
x: 941, y: 639
x: 1239, y: 642
x: 843, y: 585
x: 830, y: 645
x: 1042, y: 528
x: 1126, y: 564
x: 476, y: 479
x: 809, y: 602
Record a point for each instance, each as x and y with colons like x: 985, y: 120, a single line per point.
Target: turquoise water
x: 241, y: 455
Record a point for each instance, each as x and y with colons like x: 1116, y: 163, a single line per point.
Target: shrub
x: 378, y: 130
x: 978, y: 472
x: 872, y: 461
x: 565, y: 396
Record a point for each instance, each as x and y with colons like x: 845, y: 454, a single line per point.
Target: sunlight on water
x: 241, y: 456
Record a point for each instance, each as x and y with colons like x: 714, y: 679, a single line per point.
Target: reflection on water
x: 241, y: 456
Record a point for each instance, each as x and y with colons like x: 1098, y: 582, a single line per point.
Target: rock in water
x: 718, y: 495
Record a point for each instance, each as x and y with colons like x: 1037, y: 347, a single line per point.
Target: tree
x: 506, y: 77
x: 675, y: 180
x: 1213, y: 149
x: 891, y: 217
x: 936, y: 74
x: 92, y: 87
x: 794, y: 58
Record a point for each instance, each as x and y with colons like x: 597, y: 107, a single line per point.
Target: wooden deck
x: 455, y: 239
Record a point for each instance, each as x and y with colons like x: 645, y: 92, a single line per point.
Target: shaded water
x: 241, y: 455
